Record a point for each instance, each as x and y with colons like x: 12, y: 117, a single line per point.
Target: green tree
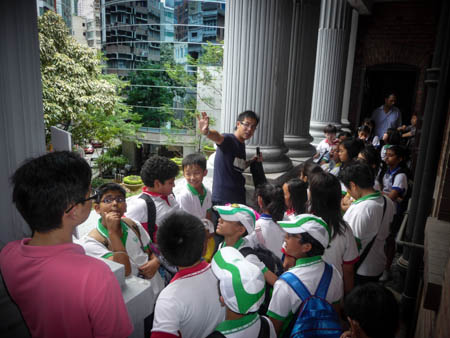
x: 76, y: 96
x: 151, y: 103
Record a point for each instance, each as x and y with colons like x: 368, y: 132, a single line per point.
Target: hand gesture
x: 149, y: 269
x: 112, y: 221
x: 203, y: 123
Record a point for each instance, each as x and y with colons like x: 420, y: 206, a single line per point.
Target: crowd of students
x: 324, y: 236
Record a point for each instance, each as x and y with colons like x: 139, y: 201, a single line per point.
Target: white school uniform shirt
x: 309, y: 270
x: 342, y: 250
x: 190, y: 201
x: 245, y: 243
x: 365, y: 217
x: 323, y: 147
x: 245, y: 327
x: 189, y: 304
x: 273, y: 235
x: 132, y: 244
x: 400, y: 182
x: 137, y: 207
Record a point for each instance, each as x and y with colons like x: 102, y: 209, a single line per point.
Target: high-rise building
x: 129, y: 29
x: 62, y: 7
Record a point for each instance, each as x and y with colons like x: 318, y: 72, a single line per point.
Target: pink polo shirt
x: 61, y: 292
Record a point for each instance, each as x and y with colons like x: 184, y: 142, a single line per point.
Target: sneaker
x: 385, y: 276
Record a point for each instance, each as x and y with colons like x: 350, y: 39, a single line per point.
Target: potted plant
x: 133, y: 182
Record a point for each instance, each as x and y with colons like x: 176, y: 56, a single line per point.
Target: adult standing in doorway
x: 230, y: 160
x: 387, y: 115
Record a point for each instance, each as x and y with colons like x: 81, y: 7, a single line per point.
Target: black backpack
x: 264, y: 331
x: 272, y: 263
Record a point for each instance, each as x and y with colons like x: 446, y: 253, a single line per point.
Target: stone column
x: 305, y: 23
x: 349, y: 71
x: 255, y: 73
x: 331, y: 60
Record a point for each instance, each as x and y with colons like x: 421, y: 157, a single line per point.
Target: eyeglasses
x: 110, y: 199
x: 248, y: 125
x: 92, y: 197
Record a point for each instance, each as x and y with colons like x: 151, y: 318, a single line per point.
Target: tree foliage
x: 77, y: 97
x: 141, y: 96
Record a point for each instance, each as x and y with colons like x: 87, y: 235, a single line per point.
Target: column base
x: 275, y: 159
x: 316, y: 130
x: 299, y: 146
x: 345, y: 125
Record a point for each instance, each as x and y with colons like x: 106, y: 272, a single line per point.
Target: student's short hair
x: 375, y: 309
x: 249, y: 115
x: 359, y: 173
x: 158, y: 168
x: 273, y: 200
x: 104, y: 188
x: 309, y: 168
x: 317, y: 248
x: 364, y: 129
x: 372, y: 157
x: 369, y: 122
x: 298, y: 190
x: 353, y: 147
x: 388, y: 93
x: 399, y: 151
x: 330, y: 129
x: 181, y: 238
x: 194, y: 159
x: 344, y: 133
x: 45, y: 186
x: 393, y: 136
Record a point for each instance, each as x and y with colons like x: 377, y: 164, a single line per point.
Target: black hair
x: 373, y: 160
x: 330, y: 129
x: 249, y: 115
x: 317, y: 248
x: 326, y: 195
x: 273, y: 200
x: 353, y: 147
x: 369, y: 122
x: 309, y: 169
x: 394, y: 136
x: 365, y: 129
x: 104, y: 188
x: 194, y: 159
x: 388, y: 93
x: 181, y: 237
x: 358, y: 173
x: 344, y: 133
x: 299, y: 194
x: 158, y: 168
x: 45, y: 186
x: 375, y: 309
x: 400, y: 151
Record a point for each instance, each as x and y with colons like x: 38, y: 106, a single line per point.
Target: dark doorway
x: 400, y: 79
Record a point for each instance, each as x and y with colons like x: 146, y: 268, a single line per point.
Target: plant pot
x: 133, y: 187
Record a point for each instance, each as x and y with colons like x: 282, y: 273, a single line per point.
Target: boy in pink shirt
x: 60, y: 291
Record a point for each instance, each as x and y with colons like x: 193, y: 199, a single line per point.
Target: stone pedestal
x: 255, y: 73
x: 331, y: 61
x: 305, y: 23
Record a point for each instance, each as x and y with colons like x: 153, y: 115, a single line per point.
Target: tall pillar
x: 349, y: 69
x: 331, y: 61
x: 255, y: 73
x: 302, y: 58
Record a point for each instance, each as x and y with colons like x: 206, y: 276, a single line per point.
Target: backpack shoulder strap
x: 99, y: 238
x: 324, y: 283
x: 135, y: 228
x: 247, y: 251
x: 264, y: 330
x: 296, y: 284
x: 151, y: 213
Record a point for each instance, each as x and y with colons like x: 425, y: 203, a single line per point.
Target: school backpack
x: 316, y: 317
x: 272, y: 263
x: 264, y: 331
